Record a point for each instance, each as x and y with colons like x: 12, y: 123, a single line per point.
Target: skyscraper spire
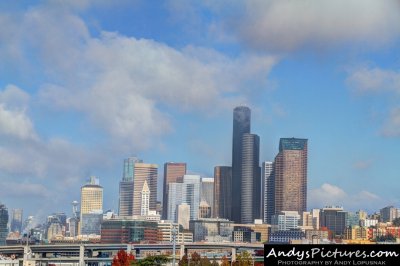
x: 144, y: 210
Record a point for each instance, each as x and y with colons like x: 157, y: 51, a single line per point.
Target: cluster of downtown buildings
x: 243, y: 202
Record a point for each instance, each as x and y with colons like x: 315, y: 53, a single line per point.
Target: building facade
x: 286, y: 236
x: 250, y: 189
x: 173, y: 173
x: 16, y: 220
x: 388, y: 214
x: 135, y: 174
x: 145, y: 201
x: 183, y: 215
x: 165, y: 232
x: 241, y: 126
x: 91, y: 202
x: 3, y: 224
x: 268, y: 191
x: 291, y: 175
x: 207, y: 191
x: 204, y: 228
x: 91, y: 223
x: 204, y: 210
x: 120, y: 231
x: 285, y: 220
x: 186, y: 192
x: 334, y: 218
x: 222, y: 192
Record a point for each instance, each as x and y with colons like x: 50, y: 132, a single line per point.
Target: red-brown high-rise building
x: 222, y: 192
x: 173, y: 173
x: 291, y: 175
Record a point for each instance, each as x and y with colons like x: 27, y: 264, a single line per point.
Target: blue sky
x: 85, y: 84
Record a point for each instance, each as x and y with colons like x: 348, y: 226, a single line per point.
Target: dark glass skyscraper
x: 245, y: 168
x: 250, y: 177
x: 241, y: 125
x: 3, y: 224
x: 291, y: 175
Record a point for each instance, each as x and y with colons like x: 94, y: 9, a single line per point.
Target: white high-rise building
x: 183, y: 215
x: 286, y: 220
x: 186, y: 192
x: 144, y: 210
x: 268, y: 191
x: 207, y: 191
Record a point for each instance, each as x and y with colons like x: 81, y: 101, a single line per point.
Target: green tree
x: 244, y: 259
x: 123, y: 259
x: 153, y: 261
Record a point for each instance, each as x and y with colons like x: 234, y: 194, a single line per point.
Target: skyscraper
x: 222, y: 192
x: 125, y: 207
x: 144, y: 210
x: 207, y: 191
x: 241, y: 125
x: 173, y: 173
x: 250, y: 189
x: 91, y: 196
x: 268, y: 188
x: 3, y: 224
x: 16, y: 220
x: 246, y: 199
x: 130, y: 188
x: 186, y: 192
x: 291, y: 175
x: 91, y: 206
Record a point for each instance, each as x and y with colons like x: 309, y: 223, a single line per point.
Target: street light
x: 173, y: 231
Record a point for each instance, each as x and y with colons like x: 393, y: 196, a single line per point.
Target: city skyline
x: 84, y: 85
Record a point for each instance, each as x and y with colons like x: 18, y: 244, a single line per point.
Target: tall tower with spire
x: 144, y: 209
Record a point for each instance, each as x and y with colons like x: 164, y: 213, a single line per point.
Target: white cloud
x: 331, y: 195
x: 362, y: 164
x: 287, y: 25
x: 391, y: 127
x: 24, y: 189
x: 14, y: 121
x: 126, y: 86
x: 380, y: 81
x: 132, y: 81
x: 374, y: 79
x: 327, y: 194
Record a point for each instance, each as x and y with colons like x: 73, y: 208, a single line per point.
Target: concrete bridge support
x: 81, y: 255
x: 182, y: 251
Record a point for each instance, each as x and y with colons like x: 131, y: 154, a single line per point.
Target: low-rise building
x: 128, y: 231
x: 317, y: 235
x: 285, y: 236
x: 210, y: 227
x: 165, y: 232
x: 245, y: 234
